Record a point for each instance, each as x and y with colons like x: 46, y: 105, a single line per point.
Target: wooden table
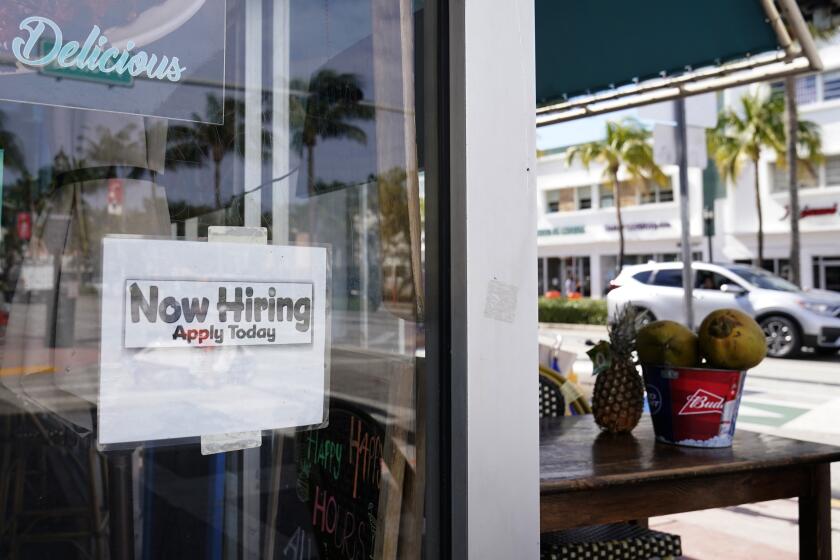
x: 590, y: 478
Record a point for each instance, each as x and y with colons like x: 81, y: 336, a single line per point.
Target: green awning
x: 584, y: 46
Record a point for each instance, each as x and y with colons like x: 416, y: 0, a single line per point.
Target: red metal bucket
x: 695, y: 407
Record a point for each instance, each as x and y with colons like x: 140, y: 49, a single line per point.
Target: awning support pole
x: 685, y: 223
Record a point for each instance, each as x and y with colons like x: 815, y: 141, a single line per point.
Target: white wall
x: 494, y: 250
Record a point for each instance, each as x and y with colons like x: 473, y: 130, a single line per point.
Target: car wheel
x: 644, y: 317
x: 782, y: 336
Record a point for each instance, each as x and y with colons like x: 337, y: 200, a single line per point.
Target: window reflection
x: 318, y: 134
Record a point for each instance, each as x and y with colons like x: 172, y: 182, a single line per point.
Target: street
x: 790, y: 398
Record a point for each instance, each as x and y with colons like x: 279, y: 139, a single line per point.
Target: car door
x: 667, y: 287
x: 708, y: 295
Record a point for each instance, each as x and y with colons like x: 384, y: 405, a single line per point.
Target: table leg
x: 815, y: 515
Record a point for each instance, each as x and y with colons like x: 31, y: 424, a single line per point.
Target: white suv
x: 790, y: 317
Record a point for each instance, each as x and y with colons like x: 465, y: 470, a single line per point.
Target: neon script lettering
x: 94, y: 55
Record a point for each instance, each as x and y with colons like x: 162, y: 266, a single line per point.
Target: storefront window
x: 130, y: 133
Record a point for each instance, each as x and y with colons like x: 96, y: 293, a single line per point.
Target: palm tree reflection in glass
x: 204, y: 141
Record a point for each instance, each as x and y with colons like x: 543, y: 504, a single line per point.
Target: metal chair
x: 619, y: 541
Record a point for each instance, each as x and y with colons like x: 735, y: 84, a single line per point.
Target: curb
x: 574, y: 326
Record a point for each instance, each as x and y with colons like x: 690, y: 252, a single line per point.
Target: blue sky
x: 579, y: 130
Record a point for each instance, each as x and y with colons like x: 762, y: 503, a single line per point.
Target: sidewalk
x: 765, y: 531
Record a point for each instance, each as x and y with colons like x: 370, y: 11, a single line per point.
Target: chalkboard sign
x: 339, y: 471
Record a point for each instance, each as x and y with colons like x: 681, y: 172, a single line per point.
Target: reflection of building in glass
x: 310, y: 133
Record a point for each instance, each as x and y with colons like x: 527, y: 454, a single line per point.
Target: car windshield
x: 763, y: 279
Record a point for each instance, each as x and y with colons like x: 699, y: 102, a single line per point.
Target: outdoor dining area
x: 598, y: 489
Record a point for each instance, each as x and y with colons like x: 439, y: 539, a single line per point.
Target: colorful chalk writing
x: 323, y: 452
x: 339, y: 468
x: 299, y: 546
x: 365, y: 453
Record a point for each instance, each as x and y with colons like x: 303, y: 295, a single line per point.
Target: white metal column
x: 494, y: 260
x: 253, y: 111
x: 280, y: 191
x: 250, y: 474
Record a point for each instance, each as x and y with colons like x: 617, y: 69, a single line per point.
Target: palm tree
x: 740, y: 137
x: 824, y: 32
x: 327, y: 110
x: 625, y: 151
x: 203, y: 140
x: 804, y: 152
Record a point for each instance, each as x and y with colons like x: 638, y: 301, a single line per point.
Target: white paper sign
x: 210, y: 338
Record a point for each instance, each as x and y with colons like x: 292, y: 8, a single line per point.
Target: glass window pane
x: 806, y: 89
x: 584, y: 197
x: 708, y: 280
x: 832, y: 171
x: 647, y: 191
x: 643, y: 276
x: 629, y: 193
x: 295, y: 117
x: 671, y: 277
x: 566, y: 202
x: 831, y: 85
x: 552, y: 201
x: 607, y: 196
x: 808, y: 176
x: 779, y: 178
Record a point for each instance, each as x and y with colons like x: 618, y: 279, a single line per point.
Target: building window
x: 666, y: 193
x: 552, y: 201
x: 831, y: 86
x: 806, y: 89
x: 567, y: 200
x: 832, y: 171
x: 560, y: 200
x: 651, y: 192
x: 584, y: 198
x: 607, y: 196
x: 779, y: 179
x: 808, y: 178
x: 629, y: 192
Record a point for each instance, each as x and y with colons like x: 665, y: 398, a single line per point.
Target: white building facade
x: 577, y: 233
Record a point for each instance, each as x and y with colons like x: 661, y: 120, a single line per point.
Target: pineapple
x: 618, y: 397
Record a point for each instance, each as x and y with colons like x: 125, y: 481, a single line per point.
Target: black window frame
x: 438, y: 387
